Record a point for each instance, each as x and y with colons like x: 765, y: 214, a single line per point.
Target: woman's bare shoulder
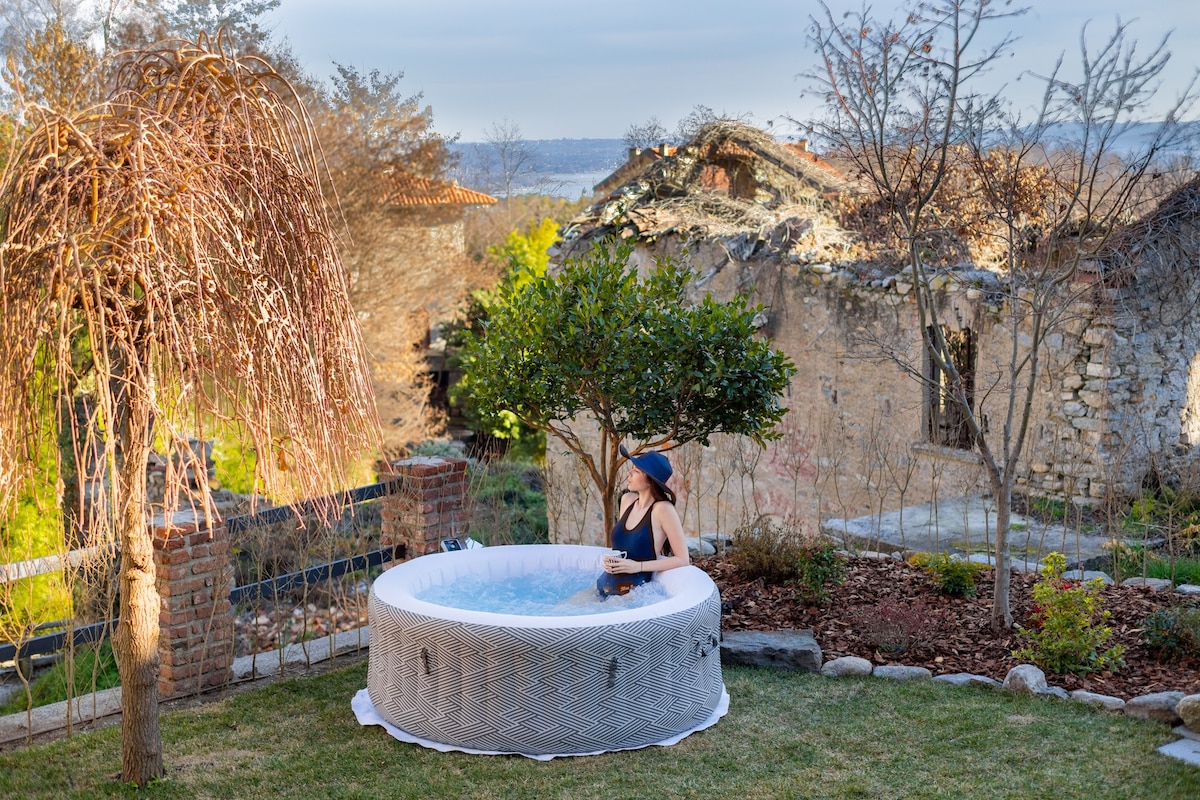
x: 665, y: 509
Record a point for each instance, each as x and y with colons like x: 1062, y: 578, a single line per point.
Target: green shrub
x: 508, y: 504
x: 782, y: 554
x: 818, y: 566
x: 1172, y: 633
x: 1049, y: 508
x: 768, y: 550
x: 51, y: 686
x: 1066, y: 632
x: 953, y: 576
x: 1166, y: 511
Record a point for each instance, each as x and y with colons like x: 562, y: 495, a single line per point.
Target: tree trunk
x: 1002, y: 619
x: 136, y: 636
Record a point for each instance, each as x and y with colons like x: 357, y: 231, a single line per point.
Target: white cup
x: 612, y: 554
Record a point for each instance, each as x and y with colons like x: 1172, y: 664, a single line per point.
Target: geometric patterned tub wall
x: 542, y: 690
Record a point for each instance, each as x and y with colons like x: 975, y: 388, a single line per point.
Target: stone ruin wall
x: 1117, y: 394
x: 1148, y: 355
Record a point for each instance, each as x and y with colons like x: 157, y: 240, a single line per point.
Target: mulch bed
x: 957, y: 635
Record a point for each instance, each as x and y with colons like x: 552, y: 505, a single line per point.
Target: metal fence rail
x: 272, y: 587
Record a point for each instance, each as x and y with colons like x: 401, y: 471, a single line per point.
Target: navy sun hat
x: 654, y: 464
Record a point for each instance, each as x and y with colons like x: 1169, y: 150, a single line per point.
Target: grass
x: 1154, y: 565
x: 786, y: 735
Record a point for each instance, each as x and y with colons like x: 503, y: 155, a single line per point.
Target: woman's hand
x: 621, y: 566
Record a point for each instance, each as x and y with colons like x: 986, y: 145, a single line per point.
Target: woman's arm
x: 666, y: 519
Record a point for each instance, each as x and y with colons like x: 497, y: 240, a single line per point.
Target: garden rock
x: 1159, y: 706
x: 1155, y: 584
x: 1104, y: 701
x: 700, y: 547
x: 1019, y: 564
x: 1188, y: 589
x: 1025, y: 679
x: 875, y: 555
x: 1087, y: 575
x: 967, y: 679
x: 1188, y: 710
x: 846, y: 667
x: 898, y: 673
x: 1053, y: 691
x: 791, y: 650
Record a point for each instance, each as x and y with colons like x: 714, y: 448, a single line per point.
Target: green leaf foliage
x: 632, y: 351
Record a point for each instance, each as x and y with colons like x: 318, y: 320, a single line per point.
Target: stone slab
x: 300, y: 654
x: 1186, y: 732
x: 1186, y: 750
x: 963, y: 525
x: 790, y: 650
x: 53, y: 717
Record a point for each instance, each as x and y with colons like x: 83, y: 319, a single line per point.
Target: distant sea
x: 569, y: 185
x: 562, y: 167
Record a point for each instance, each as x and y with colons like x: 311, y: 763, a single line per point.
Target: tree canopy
x: 633, y: 353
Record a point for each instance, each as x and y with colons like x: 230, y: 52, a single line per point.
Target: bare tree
x: 953, y: 173
x: 505, y: 157
x: 179, y: 235
x: 650, y: 133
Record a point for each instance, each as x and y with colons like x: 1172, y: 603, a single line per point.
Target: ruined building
x: 1119, y: 392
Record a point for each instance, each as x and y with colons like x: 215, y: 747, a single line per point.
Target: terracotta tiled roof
x: 803, y: 151
x: 407, y: 191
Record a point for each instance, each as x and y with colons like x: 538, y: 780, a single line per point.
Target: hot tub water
x: 557, y: 593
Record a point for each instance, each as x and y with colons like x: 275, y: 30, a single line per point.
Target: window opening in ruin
x: 946, y: 419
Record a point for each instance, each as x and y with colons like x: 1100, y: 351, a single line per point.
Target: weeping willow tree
x: 178, y: 232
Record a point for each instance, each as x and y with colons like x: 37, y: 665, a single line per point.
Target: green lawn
x: 786, y: 736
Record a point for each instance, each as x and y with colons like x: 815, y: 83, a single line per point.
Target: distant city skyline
x: 564, y: 70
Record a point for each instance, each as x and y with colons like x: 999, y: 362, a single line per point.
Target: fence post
x: 193, y: 573
x: 429, y: 506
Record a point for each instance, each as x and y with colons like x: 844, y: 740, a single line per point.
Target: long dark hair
x: 660, y: 494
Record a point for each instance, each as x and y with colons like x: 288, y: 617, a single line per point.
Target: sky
x: 566, y: 69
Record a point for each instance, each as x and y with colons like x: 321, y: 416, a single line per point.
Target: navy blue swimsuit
x: 638, y: 545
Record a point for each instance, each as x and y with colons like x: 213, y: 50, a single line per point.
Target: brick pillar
x: 193, y: 574
x: 430, y: 504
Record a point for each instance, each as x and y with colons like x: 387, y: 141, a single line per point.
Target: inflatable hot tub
x: 542, y: 685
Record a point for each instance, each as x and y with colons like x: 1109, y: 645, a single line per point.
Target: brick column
x: 193, y: 574
x: 429, y: 505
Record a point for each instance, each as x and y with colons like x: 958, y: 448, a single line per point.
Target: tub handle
x: 612, y: 673
x: 702, y: 649
x: 425, y: 659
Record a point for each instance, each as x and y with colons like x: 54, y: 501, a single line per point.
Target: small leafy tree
x: 632, y: 353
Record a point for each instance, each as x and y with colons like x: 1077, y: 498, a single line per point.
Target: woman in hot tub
x: 648, y: 531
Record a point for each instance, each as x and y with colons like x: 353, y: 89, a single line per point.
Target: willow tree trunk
x: 136, y: 637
